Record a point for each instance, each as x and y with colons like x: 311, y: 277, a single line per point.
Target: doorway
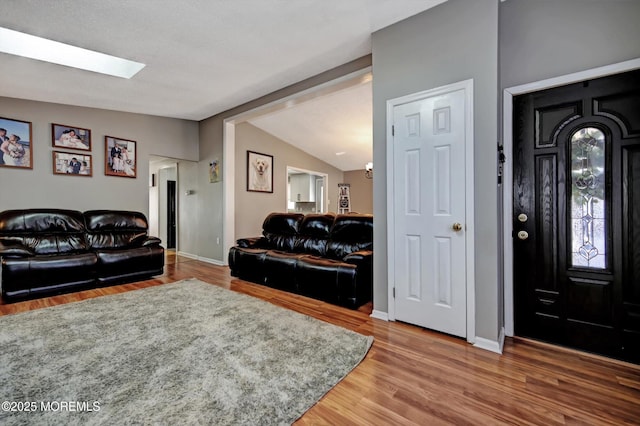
x: 576, y: 215
x: 171, y: 214
x: 306, y: 191
x: 430, y: 215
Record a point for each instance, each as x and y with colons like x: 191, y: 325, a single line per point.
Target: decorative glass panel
x: 588, y: 197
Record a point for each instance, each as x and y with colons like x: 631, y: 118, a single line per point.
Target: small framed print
x: 120, y: 157
x: 69, y: 137
x: 74, y: 164
x: 259, y: 172
x: 16, y: 148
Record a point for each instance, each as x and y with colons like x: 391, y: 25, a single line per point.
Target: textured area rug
x: 181, y: 353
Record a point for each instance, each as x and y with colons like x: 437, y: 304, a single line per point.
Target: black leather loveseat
x: 44, y: 251
x: 323, y: 256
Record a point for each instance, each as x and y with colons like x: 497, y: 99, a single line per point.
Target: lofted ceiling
x: 202, y: 57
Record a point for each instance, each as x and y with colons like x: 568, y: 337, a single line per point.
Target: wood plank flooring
x: 413, y: 376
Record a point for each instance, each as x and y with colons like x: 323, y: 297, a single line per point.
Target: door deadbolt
x: 523, y: 235
x: 522, y: 217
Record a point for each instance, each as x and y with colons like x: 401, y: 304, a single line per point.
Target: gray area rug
x: 181, y: 353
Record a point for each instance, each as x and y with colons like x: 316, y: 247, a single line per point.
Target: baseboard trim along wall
x: 491, y: 345
x: 203, y: 259
x: 379, y: 315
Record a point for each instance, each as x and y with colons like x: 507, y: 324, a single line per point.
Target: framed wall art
x: 70, y: 137
x: 120, y: 157
x: 16, y: 147
x: 67, y: 163
x: 259, y: 172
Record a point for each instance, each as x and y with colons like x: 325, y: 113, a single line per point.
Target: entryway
x: 576, y: 215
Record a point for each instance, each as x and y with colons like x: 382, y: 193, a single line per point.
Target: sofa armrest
x: 358, y: 258
x: 151, y: 241
x: 9, y: 248
x: 252, y: 242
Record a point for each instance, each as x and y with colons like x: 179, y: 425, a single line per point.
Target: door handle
x: 457, y: 227
x: 523, y: 235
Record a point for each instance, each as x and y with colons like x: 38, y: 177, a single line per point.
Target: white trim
x: 200, y: 258
x: 229, y: 187
x: 491, y: 345
x: 507, y: 125
x: 379, y: 315
x: 229, y: 146
x: 467, y: 86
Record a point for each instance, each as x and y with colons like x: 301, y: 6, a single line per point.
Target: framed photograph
x: 120, y: 157
x: 214, y: 171
x: 74, y: 164
x: 69, y: 137
x: 259, y: 172
x: 16, y: 148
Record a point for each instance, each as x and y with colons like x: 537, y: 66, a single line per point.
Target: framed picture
x: 75, y: 164
x: 69, y: 137
x: 259, y: 172
x: 120, y: 157
x: 16, y: 149
x: 214, y: 171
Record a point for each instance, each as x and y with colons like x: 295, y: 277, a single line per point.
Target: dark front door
x: 577, y: 215
x: 171, y: 214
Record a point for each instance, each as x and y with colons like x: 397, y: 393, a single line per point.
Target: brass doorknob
x: 523, y: 235
x: 457, y: 226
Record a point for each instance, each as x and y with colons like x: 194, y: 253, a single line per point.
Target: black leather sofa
x: 324, y: 256
x: 46, y: 251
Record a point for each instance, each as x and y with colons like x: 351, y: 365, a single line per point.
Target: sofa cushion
x: 115, y: 229
x: 280, y: 230
x: 44, y: 231
x: 313, y: 234
x: 350, y: 233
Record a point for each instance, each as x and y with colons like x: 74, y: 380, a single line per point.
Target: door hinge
x: 394, y: 292
x: 393, y: 130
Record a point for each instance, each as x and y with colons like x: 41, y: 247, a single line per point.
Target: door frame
x: 324, y: 176
x: 507, y: 187
x: 467, y: 86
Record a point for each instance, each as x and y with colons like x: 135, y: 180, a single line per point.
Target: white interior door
x: 429, y: 229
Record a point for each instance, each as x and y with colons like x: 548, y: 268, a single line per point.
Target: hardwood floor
x: 415, y: 376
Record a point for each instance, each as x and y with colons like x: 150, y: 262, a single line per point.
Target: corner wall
x: 451, y: 42
x: 361, y: 191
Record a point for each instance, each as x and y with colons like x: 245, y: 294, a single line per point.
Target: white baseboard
x: 185, y: 254
x: 491, y: 345
x: 203, y: 259
x: 379, y: 315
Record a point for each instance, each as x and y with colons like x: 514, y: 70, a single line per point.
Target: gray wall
x: 253, y: 207
x: 39, y: 187
x: 454, y: 41
x: 211, y: 206
x: 361, y: 191
x: 549, y: 38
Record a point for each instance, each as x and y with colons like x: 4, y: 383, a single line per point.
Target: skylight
x: 42, y: 49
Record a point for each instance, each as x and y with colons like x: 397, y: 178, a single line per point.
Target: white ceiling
x: 203, y: 56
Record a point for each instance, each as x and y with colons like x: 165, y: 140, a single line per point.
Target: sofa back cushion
x: 350, y: 233
x: 45, y: 231
x: 280, y: 230
x: 115, y: 229
x: 313, y: 234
